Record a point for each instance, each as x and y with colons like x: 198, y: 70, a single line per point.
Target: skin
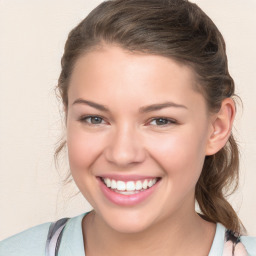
x: 128, y: 141
x: 238, y: 251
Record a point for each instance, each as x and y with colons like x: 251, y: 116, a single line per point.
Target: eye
x: 161, y: 121
x: 92, y: 120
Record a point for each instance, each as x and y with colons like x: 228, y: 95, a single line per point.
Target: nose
x: 125, y: 147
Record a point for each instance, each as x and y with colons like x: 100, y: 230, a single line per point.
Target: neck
x: 179, y: 235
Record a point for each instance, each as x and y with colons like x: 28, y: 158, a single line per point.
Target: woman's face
x: 137, y: 134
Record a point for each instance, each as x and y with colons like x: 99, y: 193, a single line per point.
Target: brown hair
x: 182, y: 31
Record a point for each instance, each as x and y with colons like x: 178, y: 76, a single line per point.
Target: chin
x: 129, y: 227
x: 128, y: 221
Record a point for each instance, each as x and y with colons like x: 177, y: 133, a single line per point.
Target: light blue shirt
x: 32, y: 242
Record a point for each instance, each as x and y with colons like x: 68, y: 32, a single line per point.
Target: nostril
x: 125, y: 156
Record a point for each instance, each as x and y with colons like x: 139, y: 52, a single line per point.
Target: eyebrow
x: 91, y: 104
x: 155, y: 107
x: 145, y: 109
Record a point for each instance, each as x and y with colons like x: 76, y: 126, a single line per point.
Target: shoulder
x: 250, y: 244
x: 29, y: 242
x: 32, y: 242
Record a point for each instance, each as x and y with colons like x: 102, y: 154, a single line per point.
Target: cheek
x: 82, y: 148
x: 181, y: 156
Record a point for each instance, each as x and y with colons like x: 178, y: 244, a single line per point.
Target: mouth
x: 129, y: 187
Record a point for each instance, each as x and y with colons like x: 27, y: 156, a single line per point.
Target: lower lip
x: 126, y: 200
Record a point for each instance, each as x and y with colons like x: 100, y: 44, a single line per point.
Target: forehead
x: 110, y: 72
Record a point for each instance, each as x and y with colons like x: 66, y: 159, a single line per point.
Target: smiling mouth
x: 129, y: 187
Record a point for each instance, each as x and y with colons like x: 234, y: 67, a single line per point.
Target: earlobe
x: 221, y: 127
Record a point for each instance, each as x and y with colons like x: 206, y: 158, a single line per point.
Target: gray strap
x: 54, y: 237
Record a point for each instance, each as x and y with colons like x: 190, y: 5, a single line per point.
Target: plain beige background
x: 32, y: 36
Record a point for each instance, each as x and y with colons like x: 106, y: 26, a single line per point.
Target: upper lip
x: 127, y: 177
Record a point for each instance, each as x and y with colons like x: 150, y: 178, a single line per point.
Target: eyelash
x: 167, y: 120
x: 84, y: 119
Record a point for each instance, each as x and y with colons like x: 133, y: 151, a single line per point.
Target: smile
x: 129, y: 187
x: 128, y: 192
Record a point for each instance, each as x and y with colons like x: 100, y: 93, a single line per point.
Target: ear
x: 221, y: 126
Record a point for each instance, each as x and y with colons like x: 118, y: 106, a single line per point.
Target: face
x: 137, y: 134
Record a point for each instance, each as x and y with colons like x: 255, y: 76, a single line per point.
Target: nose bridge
x: 125, y: 145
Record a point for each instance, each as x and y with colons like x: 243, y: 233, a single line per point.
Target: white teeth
x: 120, y: 185
x: 113, y: 184
x: 138, y: 185
x: 127, y: 192
x: 108, y: 182
x: 145, y: 184
x: 129, y: 187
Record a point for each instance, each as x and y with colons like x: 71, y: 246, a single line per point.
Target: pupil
x: 161, y: 121
x: 96, y: 120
